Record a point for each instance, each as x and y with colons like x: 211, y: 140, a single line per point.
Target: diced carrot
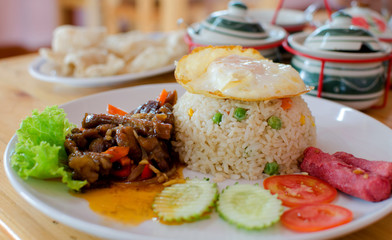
x: 115, y: 110
x: 125, y: 161
x: 286, y: 103
x: 117, y: 152
x: 162, y: 97
x: 147, y: 172
x: 125, y: 168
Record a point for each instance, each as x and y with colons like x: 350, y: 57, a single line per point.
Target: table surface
x: 20, y: 94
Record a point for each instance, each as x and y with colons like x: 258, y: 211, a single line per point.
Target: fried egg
x: 237, y: 73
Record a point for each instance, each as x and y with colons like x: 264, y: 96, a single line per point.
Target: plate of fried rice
x: 325, y: 124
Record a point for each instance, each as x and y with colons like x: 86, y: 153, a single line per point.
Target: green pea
x: 240, y: 113
x: 271, y: 168
x: 274, y: 122
x: 247, y: 152
x: 217, y: 118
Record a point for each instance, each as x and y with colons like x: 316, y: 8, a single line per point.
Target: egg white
x: 231, y: 74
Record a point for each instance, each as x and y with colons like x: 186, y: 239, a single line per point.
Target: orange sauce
x: 126, y: 203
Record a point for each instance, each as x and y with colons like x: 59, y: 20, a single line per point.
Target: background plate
x: 39, y: 70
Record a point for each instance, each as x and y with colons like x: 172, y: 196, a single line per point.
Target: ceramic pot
x: 359, y: 86
x: 346, y: 80
x: 234, y: 27
x: 341, y: 35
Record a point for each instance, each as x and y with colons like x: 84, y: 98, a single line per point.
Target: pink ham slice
x: 344, y: 177
x: 381, y: 168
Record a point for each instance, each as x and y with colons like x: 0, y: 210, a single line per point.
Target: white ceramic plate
x: 40, y: 70
x: 339, y: 128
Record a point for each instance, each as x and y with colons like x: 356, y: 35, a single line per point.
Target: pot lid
x: 232, y: 26
x: 341, y: 36
x: 369, y: 19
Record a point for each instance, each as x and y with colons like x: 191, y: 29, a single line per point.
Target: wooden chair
x: 91, y: 8
x: 143, y: 15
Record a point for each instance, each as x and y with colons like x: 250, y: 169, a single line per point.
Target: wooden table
x: 20, y: 94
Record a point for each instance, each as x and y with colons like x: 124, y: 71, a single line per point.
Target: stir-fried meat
x: 89, y: 166
x: 83, y: 139
x: 91, y: 133
x: 150, y: 116
x: 99, y: 144
x: 167, y: 110
x: 151, y: 106
x: 146, y: 131
x: 91, y: 120
x: 164, y: 114
x: 142, y: 126
x: 171, y: 97
x: 126, y: 138
x: 103, y: 128
x: 79, y: 140
x: 70, y: 146
x: 156, y: 150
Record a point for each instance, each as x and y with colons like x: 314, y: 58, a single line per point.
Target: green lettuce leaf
x: 40, y: 150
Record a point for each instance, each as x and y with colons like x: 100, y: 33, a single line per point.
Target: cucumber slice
x: 189, y: 201
x: 249, y: 206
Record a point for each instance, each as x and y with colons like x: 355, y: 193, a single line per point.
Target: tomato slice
x: 315, y: 217
x: 296, y: 190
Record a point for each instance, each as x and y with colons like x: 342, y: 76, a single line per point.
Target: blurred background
x: 26, y: 26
